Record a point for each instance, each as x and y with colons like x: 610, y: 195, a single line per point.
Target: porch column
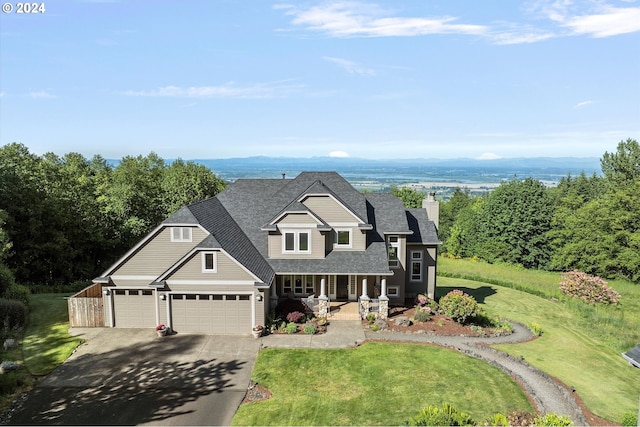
x: 364, y: 287
x: 383, y: 307
x: 274, y: 297
x: 323, y: 301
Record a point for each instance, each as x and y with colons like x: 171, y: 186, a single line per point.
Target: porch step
x: 344, y: 311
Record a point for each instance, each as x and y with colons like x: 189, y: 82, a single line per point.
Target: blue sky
x: 372, y: 79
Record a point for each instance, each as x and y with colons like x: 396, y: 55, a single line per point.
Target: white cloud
x: 351, y: 67
x: 340, y: 154
x: 610, y: 22
x: 488, y: 156
x: 41, y: 94
x: 229, y: 90
x: 354, y: 19
x: 582, y: 104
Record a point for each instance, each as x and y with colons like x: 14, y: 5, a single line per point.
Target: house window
x: 416, y: 266
x: 298, y: 284
x: 180, y: 234
x: 392, y: 292
x: 394, y: 251
x: 296, y: 242
x: 343, y: 238
x: 209, y: 262
x: 308, y: 288
x: 286, y: 286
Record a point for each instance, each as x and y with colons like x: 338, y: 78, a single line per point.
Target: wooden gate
x: 86, y: 308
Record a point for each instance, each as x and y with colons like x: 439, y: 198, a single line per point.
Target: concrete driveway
x: 133, y: 377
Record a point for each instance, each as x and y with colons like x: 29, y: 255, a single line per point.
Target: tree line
x: 588, y: 223
x: 67, y: 218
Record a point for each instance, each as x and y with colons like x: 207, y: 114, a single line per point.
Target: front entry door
x: 342, y: 287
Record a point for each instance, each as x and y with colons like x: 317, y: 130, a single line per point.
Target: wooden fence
x: 86, y: 308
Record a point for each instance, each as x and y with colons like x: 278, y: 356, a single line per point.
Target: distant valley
x: 440, y: 175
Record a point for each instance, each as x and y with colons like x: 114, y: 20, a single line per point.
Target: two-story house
x: 220, y: 265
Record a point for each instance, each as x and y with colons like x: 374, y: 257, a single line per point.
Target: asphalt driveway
x: 133, y: 377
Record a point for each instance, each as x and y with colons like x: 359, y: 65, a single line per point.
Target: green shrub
x: 291, y: 328
x: 447, y: 415
x: 6, y: 279
x: 422, y: 315
x: 629, y: 420
x: 19, y: 293
x: 535, y: 328
x: 552, y: 419
x: 371, y: 317
x: 309, y: 329
x: 498, y: 420
x: 13, y: 314
x: 375, y: 328
x: 459, y: 306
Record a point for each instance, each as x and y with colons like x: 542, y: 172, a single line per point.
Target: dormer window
x: 209, y: 262
x: 180, y: 234
x: 343, y: 238
x: 296, y: 241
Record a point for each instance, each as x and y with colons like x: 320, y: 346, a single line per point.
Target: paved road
x: 547, y: 394
x: 131, y: 376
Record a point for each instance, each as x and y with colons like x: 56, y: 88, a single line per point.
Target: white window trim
x: 204, y: 262
x: 296, y: 241
x: 183, y: 237
x: 350, y: 244
x: 413, y: 261
x: 393, y: 291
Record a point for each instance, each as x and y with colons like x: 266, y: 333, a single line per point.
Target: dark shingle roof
x: 237, y: 217
x: 424, y: 230
x: 217, y: 221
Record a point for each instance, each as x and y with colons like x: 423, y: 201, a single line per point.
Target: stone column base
x: 383, y: 307
x: 365, y: 305
x: 323, y: 307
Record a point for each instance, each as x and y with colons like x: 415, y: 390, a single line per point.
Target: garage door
x: 134, y: 308
x: 211, y: 314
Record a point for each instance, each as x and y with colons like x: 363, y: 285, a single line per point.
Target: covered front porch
x: 359, y: 289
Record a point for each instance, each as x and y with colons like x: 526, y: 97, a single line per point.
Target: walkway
x: 545, y: 392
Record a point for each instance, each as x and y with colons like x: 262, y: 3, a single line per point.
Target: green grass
x: 375, y: 384
x: 580, y: 344
x: 47, y: 342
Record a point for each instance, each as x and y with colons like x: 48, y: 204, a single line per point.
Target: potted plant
x: 161, y: 330
x: 257, y: 331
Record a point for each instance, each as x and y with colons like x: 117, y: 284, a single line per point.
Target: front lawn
x: 375, y: 384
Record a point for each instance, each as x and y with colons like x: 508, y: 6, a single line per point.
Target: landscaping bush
x: 459, y: 306
x: 497, y: 420
x: 424, y: 302
x: 591, y: 289
x: 309, y: 329
x: 629, y: 419
x: 13, y: 314
x: 371, y: 317
x: 422, y: 315
x: 18, y: 293
x: 552, y: 419
x: 289, y: 306
x: 296, y: 317
x: 445, y: 416
x: 291, y: 328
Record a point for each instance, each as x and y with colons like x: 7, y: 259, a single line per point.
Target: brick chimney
x: 433, y: 208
